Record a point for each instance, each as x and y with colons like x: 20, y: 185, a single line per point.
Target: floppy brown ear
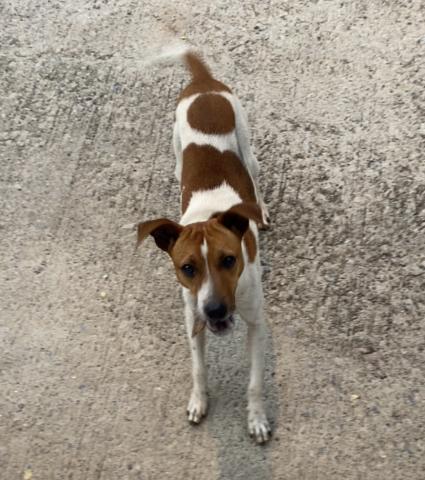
x: 164, y: 231
x: 237, y: 218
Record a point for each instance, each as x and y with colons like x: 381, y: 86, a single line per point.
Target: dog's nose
x: 215, y: 310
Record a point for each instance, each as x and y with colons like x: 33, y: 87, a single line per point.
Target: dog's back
x: 212, y: 146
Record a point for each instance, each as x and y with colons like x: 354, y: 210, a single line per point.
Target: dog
x: 214, y: 247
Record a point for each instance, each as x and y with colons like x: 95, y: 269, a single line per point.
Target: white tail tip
x: 174, y: 51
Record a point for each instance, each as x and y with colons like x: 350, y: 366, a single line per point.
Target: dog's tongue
x: 198, y: 326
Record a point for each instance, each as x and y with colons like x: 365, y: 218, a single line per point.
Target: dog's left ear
x: 237, y: 218
x: 164, y: 231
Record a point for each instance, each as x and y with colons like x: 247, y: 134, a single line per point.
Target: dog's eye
x: 228, y: 261
x: 188, y: 270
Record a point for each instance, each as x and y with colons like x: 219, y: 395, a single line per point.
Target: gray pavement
x: 94, y: 366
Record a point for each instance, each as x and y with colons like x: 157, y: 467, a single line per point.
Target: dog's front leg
x: 197, y: 407
x: 257, y: 421
x: 250, y: 306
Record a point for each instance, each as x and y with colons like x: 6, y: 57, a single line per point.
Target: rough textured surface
x: 94, y: 385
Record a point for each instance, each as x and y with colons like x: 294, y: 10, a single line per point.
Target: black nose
x: 215, y: 310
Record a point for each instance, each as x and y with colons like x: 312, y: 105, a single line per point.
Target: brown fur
x: 247, y: 210
x: 221, y: 167
x: 202, y: 80
x: 221, y: 242
x: 197, y: 67
x: 248, y: 239
x: 223, y: 233
x: 251, y: 211
x: 208, y: 86
x: 187, y: 249
x: 212, y: 114
x: 164, y: 231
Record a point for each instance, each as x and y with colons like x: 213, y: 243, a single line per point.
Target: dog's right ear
x: 237, y: 217
x: 164, y: 231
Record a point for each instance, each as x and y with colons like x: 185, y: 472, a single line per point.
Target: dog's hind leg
x: 248, y: 157
x: 198, y: 402
x: 178, y: 153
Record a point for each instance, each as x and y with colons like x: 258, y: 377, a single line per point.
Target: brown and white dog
x: 214, y: 248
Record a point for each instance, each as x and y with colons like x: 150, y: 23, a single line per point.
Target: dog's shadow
x: 239, y: 457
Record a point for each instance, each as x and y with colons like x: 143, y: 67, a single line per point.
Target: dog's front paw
x: 197, y: 407
x: 258, y: 426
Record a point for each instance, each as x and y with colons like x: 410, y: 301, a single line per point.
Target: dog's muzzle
x: 221, y: 326
x: 219, y: 319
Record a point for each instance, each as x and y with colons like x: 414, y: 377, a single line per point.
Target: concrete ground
x: 95, y: 370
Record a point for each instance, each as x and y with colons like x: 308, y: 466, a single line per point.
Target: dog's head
x: 208, y: 259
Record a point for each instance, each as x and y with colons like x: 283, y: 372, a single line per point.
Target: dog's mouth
x: 221, y: 327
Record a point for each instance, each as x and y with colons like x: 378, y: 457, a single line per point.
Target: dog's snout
x: 215, y: 310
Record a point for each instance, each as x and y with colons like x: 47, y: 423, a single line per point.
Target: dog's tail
x: 196, y: 66
x: 192, y: 59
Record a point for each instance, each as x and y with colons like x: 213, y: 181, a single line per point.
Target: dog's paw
x: 265, y: 217
x: 259, y: 427
x: 264, y: 226
x: 197, y: 407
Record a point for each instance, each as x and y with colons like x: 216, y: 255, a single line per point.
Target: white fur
x: 198, y: 402
x: 173, y: 51
x: 206, y: 202
x: 206, y: 291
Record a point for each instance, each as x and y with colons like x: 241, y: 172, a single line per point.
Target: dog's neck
x: 204, y: 203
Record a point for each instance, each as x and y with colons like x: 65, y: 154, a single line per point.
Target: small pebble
x: 367, y: 350
x: 354, y: 397
x: 103, y: 294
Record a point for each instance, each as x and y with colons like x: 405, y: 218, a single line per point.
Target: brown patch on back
x: 211, y: 113
x: 205, y: 168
